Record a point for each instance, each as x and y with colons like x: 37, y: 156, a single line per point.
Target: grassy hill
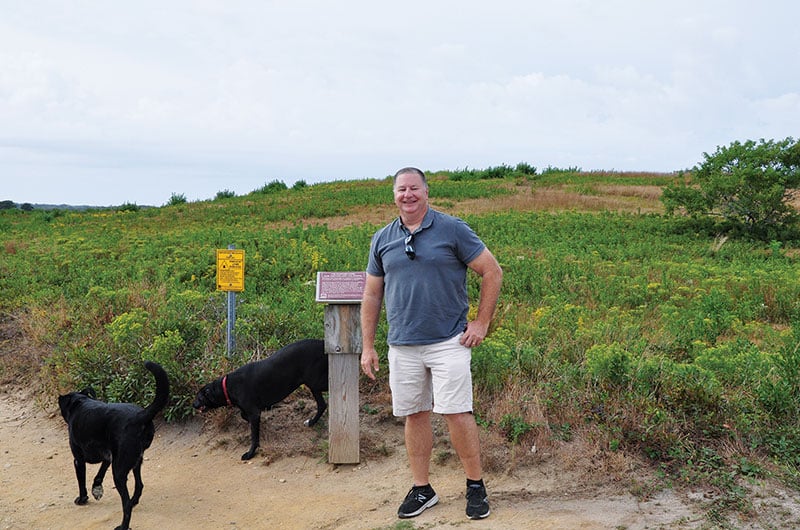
x: 619, y: 327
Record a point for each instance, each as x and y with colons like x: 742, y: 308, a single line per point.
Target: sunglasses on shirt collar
x: 410, y: 252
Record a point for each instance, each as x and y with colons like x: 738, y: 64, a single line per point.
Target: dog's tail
x: 162, y: 391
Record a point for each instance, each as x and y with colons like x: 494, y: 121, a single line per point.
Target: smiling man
x: 418, y: 266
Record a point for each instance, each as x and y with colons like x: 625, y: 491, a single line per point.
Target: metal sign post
x: 230, y: 278
x: 230, y: 343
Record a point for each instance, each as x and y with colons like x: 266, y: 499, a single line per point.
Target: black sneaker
x: 418, y: 499
x: 477, y: 502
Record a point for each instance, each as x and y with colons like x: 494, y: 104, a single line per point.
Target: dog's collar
x: 225, y: 390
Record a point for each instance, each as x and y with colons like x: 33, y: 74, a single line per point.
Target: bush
x: 224, y: 194
x: 128, y: 207
x: 177, y: 198
x: 609, y: 365
x: 526, y: 169
x: 493, y: 361
x: 747, y: 186
x: 490, y: 173
x: 274, y: 186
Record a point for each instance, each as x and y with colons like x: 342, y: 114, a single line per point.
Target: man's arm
x: 370, y: 313
x: 486, y: 266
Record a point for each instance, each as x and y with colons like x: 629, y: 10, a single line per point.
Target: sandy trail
x: 194, y: 479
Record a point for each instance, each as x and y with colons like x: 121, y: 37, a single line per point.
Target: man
x: 418, y: 264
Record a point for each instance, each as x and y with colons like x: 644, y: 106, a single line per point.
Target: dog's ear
x: 89, y: 391
x: 64, y: 402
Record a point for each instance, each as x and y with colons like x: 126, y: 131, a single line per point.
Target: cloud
x: 190, y: 97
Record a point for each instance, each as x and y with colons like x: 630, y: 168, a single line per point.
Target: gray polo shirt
x: 426, y: 298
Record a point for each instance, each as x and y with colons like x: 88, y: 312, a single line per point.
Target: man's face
x: 410, y: 193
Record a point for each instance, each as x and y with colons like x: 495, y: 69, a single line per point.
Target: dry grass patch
x: 525, y: 198
x: 640, y: 199
x: 651, y: 193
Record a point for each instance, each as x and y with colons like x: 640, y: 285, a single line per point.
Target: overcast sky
x: 107, y: 102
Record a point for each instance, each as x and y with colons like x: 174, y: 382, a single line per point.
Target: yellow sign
x: 230, y: 270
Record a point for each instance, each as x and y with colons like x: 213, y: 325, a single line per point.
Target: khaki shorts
x: 431, y: 377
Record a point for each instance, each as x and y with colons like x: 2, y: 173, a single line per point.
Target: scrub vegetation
x: 633, y: 331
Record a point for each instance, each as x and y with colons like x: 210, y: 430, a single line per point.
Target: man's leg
x: 466, y: 441
x: 419, y: 446
x: 465, y: 438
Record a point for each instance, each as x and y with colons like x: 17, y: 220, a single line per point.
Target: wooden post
x: 343, y: 346
x: 342, y: 292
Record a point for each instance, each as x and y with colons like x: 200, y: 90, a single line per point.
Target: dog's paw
x: 248, y: 455
x: 80, y: 501
x: 97, y: 492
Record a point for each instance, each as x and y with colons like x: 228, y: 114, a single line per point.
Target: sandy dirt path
x: 193, y: 480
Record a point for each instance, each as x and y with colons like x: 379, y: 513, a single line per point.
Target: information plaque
x: 340, y: 287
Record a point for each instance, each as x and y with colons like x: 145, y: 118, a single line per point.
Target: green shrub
x: 609, y: 365
x: 525, y: 169
x: 748, y: 185
x: 515, y: 427
x: 739, y: 363
x: 779, y: 393
x: 493, y: 361
x: 224, y: 194
x: 176, y: 199
x: 128, y: 207
x: 274, y: 186
x: 128, y: 332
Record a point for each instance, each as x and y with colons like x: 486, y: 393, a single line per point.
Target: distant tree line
x: 28, y: 207
x: 11, y: 205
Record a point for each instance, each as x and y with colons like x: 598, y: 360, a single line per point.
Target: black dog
x: 112, y: 434
x: 261, y: 384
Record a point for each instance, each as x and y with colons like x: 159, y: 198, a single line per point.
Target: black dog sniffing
x: 112, y: 434
x: 261, y: 384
